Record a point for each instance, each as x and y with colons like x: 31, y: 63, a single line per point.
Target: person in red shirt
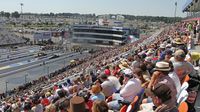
x: 45, y: 101
x: 55, y: 87
x: 107, y: 71
x: 115, y: 70
x: 86, y: 95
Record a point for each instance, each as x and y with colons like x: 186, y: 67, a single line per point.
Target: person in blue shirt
x: 97, y: 94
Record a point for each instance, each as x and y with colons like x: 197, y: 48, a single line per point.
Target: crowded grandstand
x: 156, y: 72
x: 156, y: 75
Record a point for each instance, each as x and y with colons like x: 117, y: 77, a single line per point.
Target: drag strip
x: 19, y: 50
x: 18, y: 55
x: 29, y: 56
x: 22, y: 66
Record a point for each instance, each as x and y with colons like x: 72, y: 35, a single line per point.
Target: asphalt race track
x: 28, y: 67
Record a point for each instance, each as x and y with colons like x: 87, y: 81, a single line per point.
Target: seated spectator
x: 45, y: 101
x: 86, y: 95
x: 96, y: 93
x: 69, y: 83
x: 64, y: 105
x: 107, y: 71
x: 149, y: 64
x: 167, y: 55
x: 27, y: 107
x: 50, y: 108
x: 173, y: 75
x: 115, y: 81
x: 161, y: 95
x: 123, y: 65
x: 161, y: 50
x: 136, y: 61
x: 37, y: 105
x: 160, y: 75
x: 61, y: 96
x: 75, y: 89
x: 130, y: 82
x: 115, y: 70
x: 127, y: 93
x: 15, y: 107
x: 108, y: 88
x: 55, y: 87
x: 150, y: 53
x: 77, y: 84
x: 77, y: 104
x: 145, y: 72
x: 88, y: 81
x: 180, y: 70
x: 179, y: 56
x: 49, y: 96
x: 100, y: 106
x: 138, y: 73
x: 71, y: 91
x: 169, y: 46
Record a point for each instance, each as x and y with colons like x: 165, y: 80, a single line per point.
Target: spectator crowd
x: 153, y: 74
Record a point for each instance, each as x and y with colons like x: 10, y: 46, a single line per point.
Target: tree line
x: 16, y: 14
x: 154, y: 18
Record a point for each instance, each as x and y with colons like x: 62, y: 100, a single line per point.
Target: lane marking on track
x: 5, y: 67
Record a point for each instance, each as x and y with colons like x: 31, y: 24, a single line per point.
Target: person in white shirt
x: 176, y: 80
x: 179, y: 58
x: 115, y: 81
x: 131, y: 87
x: 108, y: 87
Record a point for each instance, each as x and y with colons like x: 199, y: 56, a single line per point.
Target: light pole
x: 44, y: 67
x: 6, y: 87
x: 47, y: 70
x: 175, y: 12
x: 64, y: 63
x: 25, y: 78
x: 21, y: 5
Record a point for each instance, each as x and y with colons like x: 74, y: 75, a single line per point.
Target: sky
x: 131, y: 7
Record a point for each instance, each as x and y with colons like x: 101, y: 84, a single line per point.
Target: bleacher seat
x: 124, y: 108
x: 132, y: 106
x: 183, y: 107
x: 109, y: 99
